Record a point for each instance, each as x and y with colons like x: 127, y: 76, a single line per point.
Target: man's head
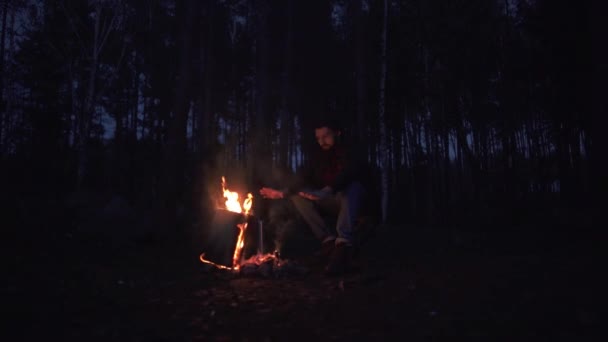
x: 327, y: 132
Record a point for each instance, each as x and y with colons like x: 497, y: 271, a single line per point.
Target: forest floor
x: 412, y: 282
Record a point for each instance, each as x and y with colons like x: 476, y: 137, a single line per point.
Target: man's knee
x: 353, y: 192
x: 297, y: 200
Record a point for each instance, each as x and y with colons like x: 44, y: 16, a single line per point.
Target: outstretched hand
x: 271, y: 193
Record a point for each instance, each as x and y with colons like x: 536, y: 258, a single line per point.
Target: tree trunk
x: 174, y: 152
x: 382, y: 117
x: 564, y: 163
x: 428, y: 177
x: 72, y: 141
x: 360, y: 65
x: 599, y: 73
x: 261, y: 142
x: 100, y: 35
x: 2, y: 74
x: 468, y: 158
x: 135, y: 110
x: 575, y: 145
x: 436, y: 185
x: 460, y: 164
x: 86, y: 116
x: 286, y: 122
x: 372, y: 137
x: 507, y: 163
x: 447, y: 194
x: 410, y: 157
x: 207, y: 127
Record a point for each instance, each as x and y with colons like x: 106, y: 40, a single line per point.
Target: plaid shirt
x: 330, y: 167
x: 336, y: 167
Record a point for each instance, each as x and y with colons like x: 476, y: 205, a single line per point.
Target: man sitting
x: 331, y: 183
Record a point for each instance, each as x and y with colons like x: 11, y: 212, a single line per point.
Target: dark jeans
x: 346, y: 204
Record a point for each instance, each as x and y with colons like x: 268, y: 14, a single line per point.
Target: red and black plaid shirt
x: 336, y: 167
x: 331, y: 164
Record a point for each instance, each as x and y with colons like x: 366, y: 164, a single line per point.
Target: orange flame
x: 232, y: 198
x: 248, y: 203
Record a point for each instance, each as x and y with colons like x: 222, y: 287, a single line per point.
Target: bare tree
x: 2, y: 74
x: 260, y: 147
x: 360, y: 64
x: 175, y: 149
x: 286, y: 115
x: 107, y: 16
x: 383, y: 146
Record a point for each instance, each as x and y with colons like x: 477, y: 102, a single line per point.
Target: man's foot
x: 327, y: 247
x: 340, y: 259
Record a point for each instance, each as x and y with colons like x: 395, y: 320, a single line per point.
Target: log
x: 221, y: 242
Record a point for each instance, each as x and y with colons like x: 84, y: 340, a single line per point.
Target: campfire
x: 235, y: 213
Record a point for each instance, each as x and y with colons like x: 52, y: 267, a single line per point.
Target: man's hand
x: 271, y: 193
x: 317, y: 195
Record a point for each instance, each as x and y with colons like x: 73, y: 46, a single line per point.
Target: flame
x: 240, y: 243
x: 248, y: 203
x: 232, y: 204
x: 232, y: 198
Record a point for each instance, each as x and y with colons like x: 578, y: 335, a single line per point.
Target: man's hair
x: 329, y: 122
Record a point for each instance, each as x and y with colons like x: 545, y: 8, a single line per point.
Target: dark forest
x: 480, y: 121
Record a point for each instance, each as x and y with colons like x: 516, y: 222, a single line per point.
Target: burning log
x: 249, y: 269
x: 234, y: 243
x: 270, y: 265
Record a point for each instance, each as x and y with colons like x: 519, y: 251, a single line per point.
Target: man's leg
x: 350, y: 204
x: 312, y: 217
x: 291, y: 236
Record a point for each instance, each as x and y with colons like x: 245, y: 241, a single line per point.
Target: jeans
x: 346, y: 204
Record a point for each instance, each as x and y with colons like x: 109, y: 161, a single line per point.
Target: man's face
x: 326, y: 137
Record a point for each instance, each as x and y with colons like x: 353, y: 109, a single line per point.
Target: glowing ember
x: 202, y: 259
x: 262, y: 258
x: 232, y: 204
